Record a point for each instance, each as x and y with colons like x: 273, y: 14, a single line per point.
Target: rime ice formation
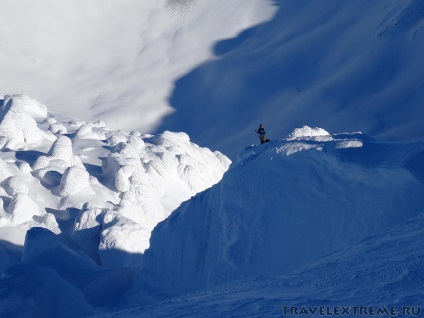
x: 114, y: 186
x: 18, y: 121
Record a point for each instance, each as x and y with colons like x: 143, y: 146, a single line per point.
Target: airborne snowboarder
x: 261, y: 132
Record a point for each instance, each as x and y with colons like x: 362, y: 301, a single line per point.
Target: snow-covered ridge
x: 283, y: 205
x: 112, y: 186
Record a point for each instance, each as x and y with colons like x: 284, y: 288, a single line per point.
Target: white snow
x: 306, y: 132
x: 95, y: 219
x: 115, y: 186
x: 18, y: 115
x: 282, y: 206
x: 91, y: 202
x: 105, y: 60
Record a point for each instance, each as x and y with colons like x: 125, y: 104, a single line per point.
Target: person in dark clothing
x: 261, y: 132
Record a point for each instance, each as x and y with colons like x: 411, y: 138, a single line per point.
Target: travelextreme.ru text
x: 351, y: 310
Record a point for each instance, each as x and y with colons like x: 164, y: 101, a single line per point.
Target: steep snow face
x: 113, y: 186
x: 340, y: 65
x: 283, y: 205
x: 382, y: 271
x: 106, y: 60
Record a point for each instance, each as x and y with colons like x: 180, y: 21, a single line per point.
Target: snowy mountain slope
x: 91, y: 197
x: 340, y: 65
x: 383, y: 270
x: 103, y: 60
x: 282, y: 206
x: 103, y: 191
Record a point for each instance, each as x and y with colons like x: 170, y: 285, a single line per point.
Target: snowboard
x: 263, y: 140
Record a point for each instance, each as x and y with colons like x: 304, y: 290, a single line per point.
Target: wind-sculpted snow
x: 113, y: 185
x: 281, y: 206
x: 383, y: 271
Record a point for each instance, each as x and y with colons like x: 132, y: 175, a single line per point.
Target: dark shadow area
x: 51, y: 179
x: 6, y: 202
x: 94, y: 170
x: 29, y: 156
x: 97, y: 171
x: 226, y: 46
x: 66, y: 221
x: 110, y: 148
x: 10, y: 255
x: 51, y: 269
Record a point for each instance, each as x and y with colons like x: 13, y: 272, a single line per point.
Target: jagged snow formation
x: 113, y: 185
x: 280, y: 207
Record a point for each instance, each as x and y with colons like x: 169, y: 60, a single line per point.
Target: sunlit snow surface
x: 115, y: 61
x: 114, y: 185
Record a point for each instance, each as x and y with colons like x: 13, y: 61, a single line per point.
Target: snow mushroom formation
x: 113, y: 186
x: 18, y: 121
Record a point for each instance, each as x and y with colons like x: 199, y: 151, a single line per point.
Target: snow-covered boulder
x: 22, y: 208
x: 73, y: 181
x: 307, y: 132
x: 61, y: 149
x: 50, y: 168
x: 18, y: 121
x: 58, y: 129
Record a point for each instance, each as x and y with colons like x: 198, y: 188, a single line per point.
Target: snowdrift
x: 382, y: 271
x: 101, y: 190
x: 280, y: 207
